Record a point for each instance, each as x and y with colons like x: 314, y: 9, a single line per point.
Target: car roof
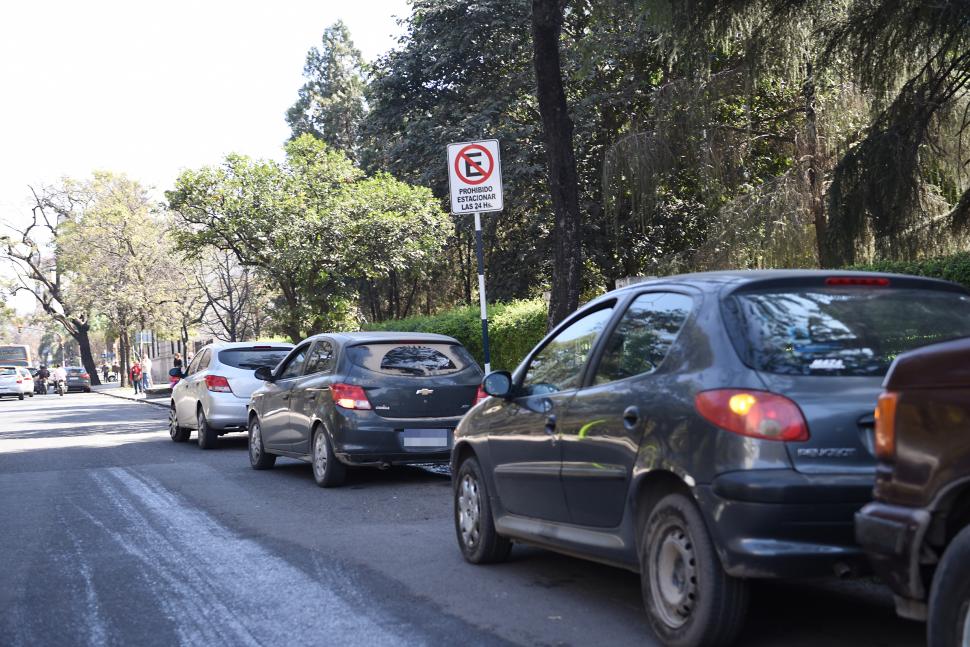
x: 374, y: 337
x: 715, y: 281
x: 227, y: 345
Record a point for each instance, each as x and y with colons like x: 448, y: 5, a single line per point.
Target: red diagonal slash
x: 469, y: 161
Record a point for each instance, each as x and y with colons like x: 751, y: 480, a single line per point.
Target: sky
x: 150, y: 88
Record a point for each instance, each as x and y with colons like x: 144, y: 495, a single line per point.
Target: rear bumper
x: 226, y: 412
x: 782, y: 523
x: 892, y: 536
x: 364, y: 438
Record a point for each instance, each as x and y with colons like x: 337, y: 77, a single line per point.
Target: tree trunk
x: 557, y: 127
x: 87, y: 358
x: 814, y: 172
x: 125, y: 358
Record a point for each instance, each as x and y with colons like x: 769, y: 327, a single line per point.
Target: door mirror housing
x: 498, y: 384
x: 264, y: 373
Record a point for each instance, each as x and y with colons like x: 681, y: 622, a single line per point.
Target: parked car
x: 78, y: 379
x: 701, y: 430
x: 16, y: 380
x: 212, y: 396
x: 364, y: 399
x: 917, y: 531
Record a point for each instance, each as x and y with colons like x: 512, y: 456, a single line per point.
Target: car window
x: 560, y: 363
x: 204, y: 360
x: 418, y: 359
x: 252, y: 358
x: 294, y: 366
x: 8, y: 371
x: 835, y: 330
x: 194, y: 364
x: 321, y: 358
x: 644, y: 334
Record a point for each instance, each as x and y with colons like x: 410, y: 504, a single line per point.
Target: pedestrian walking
x: 135, y: 375
x: 146, y: 373
x: 104, y: 372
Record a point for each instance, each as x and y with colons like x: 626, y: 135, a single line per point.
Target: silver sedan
x: 212, y: 395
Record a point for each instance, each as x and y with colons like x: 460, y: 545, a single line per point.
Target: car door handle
x: 551, y: 425
x: 631, y: 417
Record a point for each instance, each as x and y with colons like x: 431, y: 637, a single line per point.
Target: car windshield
x: 75, y: 369
x: 8, y: 371
x: 841, y: 331
x: 252, y: 358
x: 411, y: 359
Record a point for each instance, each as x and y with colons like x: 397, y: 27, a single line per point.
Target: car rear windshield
x: 419, y: 359
x: 8, y: 371
x: 853, y: 330
x: 252, y: 358
x: 75, y: 369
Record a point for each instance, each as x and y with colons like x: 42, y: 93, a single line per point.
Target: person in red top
x: 135, y: 375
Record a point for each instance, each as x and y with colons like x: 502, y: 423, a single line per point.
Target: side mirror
x: 264, y: 373
x: 498, y: 384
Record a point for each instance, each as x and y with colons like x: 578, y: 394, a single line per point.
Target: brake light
x: 20, y: 380
x: 85, y: 376
x: 871, y: 281
x: 217, y: 384
x: 757, y: 414
x: 480, y: 395
x: 349, y: 396
x: 886, y: 425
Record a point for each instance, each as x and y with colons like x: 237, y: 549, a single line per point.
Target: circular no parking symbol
x: 474, y: 164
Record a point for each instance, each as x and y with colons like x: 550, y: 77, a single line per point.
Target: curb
x: 164, y: 405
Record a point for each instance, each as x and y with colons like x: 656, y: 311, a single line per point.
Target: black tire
x: 20, y: 396
x: 328, y: 471
x: 690, y: 600
x: 259, y: 458
x: 31, y: 394
x: 207, y: 435
x: 947, y: 624
x: 478, y: 540
x: 177, y: 433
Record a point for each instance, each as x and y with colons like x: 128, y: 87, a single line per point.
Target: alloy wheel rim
x: 254, y: 441
x: 320, y: 455
x: 172, y: 423
x: 201, y: 420
x: 673, y: 576
x: 469, y: 510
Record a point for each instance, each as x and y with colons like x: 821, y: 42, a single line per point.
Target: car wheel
x: 178, y: 434
x: 949, y: 612
x: 20, y: 396
x: 207, y: 435
x: 474, y: 525
x: 690, y: 600
x: 259, y: 458
x: 328, y: 471
x: 31, y: 394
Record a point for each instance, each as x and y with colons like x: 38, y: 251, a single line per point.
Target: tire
x: 207, y: 435
x: 948, y: 623
x: 328, y: 471
x: 31, y: 394
x: 690, y: 600
x: 178, y: 434
x: 20, y: 396
x: 474, y: 525
x: 259, y: 458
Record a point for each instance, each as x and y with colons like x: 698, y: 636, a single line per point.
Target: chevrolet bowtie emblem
x: 424, y: 391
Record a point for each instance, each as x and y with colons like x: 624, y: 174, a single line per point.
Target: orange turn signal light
x: 886, y: 425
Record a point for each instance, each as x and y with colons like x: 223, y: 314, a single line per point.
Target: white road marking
x: 220, y: 588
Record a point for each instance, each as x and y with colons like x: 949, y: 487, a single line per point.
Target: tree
x: 312, y: 227
x: 35, y: 255
x: 234, y: 299
x: 331, y: 102
x: 547, y: 19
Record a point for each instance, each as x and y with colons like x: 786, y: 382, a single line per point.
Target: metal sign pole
x: 481, y: 291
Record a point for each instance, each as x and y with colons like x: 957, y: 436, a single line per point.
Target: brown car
x: 917, y: 530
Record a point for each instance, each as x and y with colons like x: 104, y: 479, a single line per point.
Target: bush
x: 954, y: 268
x: 513, y: 329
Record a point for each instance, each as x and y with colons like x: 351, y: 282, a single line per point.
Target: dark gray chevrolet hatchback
x: 701, y: 430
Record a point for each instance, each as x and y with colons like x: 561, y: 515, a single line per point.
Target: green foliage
x: 955, y: 267
x: 331, y: 102
x: 514, y: 329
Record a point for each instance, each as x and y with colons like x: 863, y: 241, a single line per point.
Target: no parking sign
x: 475, y: 176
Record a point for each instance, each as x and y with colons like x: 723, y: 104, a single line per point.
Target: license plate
x: 416, y: 438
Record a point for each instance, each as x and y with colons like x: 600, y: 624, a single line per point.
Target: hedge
x: 514, y: 328
x: 954, y: 268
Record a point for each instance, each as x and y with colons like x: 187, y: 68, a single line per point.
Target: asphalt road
x: 111, y: 534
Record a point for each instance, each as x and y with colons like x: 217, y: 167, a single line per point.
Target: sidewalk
x: 157, y: 395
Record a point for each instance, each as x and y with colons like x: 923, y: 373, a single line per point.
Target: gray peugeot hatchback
x: 701, y: 430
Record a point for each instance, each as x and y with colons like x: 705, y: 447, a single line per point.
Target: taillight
x: 85, y: 376
x: 349, y: 396
x: 217, y: 384
x: 480, y: 395
x: 758, y: 414
x: 871, y: 281
x: 20, y: 380
x: 886, y: 425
